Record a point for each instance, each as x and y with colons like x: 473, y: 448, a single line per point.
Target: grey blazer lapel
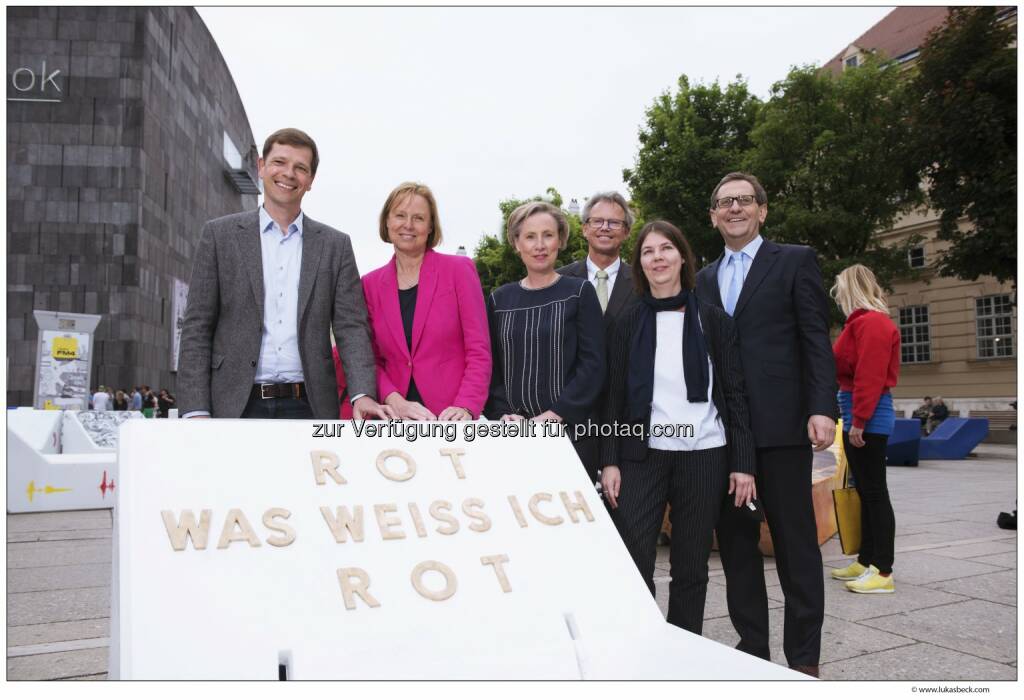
x: 251, y: 254
x: 766, y: 256
x: 312, y: 252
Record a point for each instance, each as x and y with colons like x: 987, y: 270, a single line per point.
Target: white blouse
x: 682, y: 425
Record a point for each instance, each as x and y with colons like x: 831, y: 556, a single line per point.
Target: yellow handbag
x: 847, y: 505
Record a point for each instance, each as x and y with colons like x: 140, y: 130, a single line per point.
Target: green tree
x: 965, y: 133
x: 498, y: 263
x: 832, y: 153
x: 689, y: 141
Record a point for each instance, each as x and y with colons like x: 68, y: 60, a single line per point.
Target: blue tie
x: 736, y: 284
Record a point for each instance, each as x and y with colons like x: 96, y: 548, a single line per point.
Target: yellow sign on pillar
x: 50, y: 406
x: 64, y: 348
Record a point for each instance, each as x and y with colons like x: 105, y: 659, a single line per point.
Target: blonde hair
x: 407, y: 189
x: 857, y: 288
x: 525, y: 211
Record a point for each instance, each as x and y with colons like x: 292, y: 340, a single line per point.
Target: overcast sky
x: 484, y: 104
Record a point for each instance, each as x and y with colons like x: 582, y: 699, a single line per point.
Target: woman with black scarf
x: 675, y: 377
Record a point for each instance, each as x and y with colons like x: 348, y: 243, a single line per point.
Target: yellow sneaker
x: 849, y: 573
x: 872, y: 582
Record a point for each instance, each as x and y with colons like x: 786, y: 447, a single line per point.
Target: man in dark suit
x: 607, y: 221
x: 268, y: 287
x: 774, y: 293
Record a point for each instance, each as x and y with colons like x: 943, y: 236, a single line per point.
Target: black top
x: 548, y: 349
x: 407, y: 302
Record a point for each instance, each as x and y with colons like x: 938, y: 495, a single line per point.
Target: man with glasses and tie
x: 607, y: 221
x: 774, y: 294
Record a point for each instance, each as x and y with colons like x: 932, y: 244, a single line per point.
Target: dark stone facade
x: 111, y: 178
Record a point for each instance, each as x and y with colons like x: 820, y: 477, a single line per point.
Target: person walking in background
x: 775, y: 296
x: 165, y: 402
x: 101, y: 399
x: 607, y: 221
x: 120, y: 401
x: 675, y: 361
x: 867, y: 356
x: 547, y: 333
x: 136, y: 402
x: 427, y: 313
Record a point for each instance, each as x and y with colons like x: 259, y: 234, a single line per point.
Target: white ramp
x: 40, y: 477
x: 379, y: 558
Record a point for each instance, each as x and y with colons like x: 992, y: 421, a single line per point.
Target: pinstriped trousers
x: 694, y: 484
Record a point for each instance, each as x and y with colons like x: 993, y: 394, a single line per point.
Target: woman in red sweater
x: 867, y: 356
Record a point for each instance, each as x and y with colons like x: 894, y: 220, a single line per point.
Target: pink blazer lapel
x: 392, y: 312
x: 424, y: 297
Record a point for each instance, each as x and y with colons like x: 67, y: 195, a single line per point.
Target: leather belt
x: 279, y: 391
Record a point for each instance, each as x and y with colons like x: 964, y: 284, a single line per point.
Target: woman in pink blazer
x: 427, y: 315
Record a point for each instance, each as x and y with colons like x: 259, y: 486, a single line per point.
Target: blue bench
x: 904, y: 443
x: 954, y: 438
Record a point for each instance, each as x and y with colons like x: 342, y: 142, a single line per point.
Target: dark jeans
x: 877, y: 520
x: 278, y: 408
x: 693, y: 483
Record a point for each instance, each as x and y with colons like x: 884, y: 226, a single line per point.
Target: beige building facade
x: 959, y: 338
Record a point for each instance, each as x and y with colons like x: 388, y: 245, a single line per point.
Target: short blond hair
x: 525, y: 211
x: 857, y: 288
x: 409, y: 189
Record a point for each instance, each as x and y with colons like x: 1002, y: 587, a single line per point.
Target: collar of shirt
x: 723, y: 270
x: 268, y: 224
x: 612, y: 270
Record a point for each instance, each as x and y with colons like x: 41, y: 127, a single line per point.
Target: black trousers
x: 877, y: 520
x: 278, y: 408
x: 784, y: 488
x: 693, y: 483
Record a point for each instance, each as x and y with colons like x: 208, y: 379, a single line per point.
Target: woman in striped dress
x: 547, y: 331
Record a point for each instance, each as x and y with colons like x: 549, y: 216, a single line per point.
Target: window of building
x: 995, y: 326
x: 915, y: 256
x: 851, y: 62
x: 915, y: 340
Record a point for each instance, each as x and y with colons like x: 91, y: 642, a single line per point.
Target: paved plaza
x: 953, y: 617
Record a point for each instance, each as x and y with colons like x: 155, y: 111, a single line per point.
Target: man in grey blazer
x: 607, y: 221
x: 268, y: 287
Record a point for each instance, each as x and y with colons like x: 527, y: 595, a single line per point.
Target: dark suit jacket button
x: 252, y: 363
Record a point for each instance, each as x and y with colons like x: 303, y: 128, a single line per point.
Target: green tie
x: 602, y: 289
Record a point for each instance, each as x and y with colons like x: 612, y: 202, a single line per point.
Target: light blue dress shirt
x: 749, y: 251
x: 280, y: 362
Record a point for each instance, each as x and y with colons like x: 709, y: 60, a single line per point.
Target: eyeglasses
x: 613, y: 224
x: 726, y: 202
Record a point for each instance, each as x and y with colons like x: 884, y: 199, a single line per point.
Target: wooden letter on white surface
x: 410, y: 465
x: 517, y: 511
x: 179, y: 532
x: 535, y: 510
x: 450, y: 584
x: 287, y: 535
x: 473, y: 508
x: 454, y: 453
x: 437, y: 509
x: 496, y: 560
x: 344, y: 521
x: 578, y: 505
x: 325, y: 462
x: 350, y: 589
x: 236, y: 520
x: 385, y: 522
x: 417, y: 520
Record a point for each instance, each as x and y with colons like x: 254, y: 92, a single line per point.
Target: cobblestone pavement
x: 953, y: 617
